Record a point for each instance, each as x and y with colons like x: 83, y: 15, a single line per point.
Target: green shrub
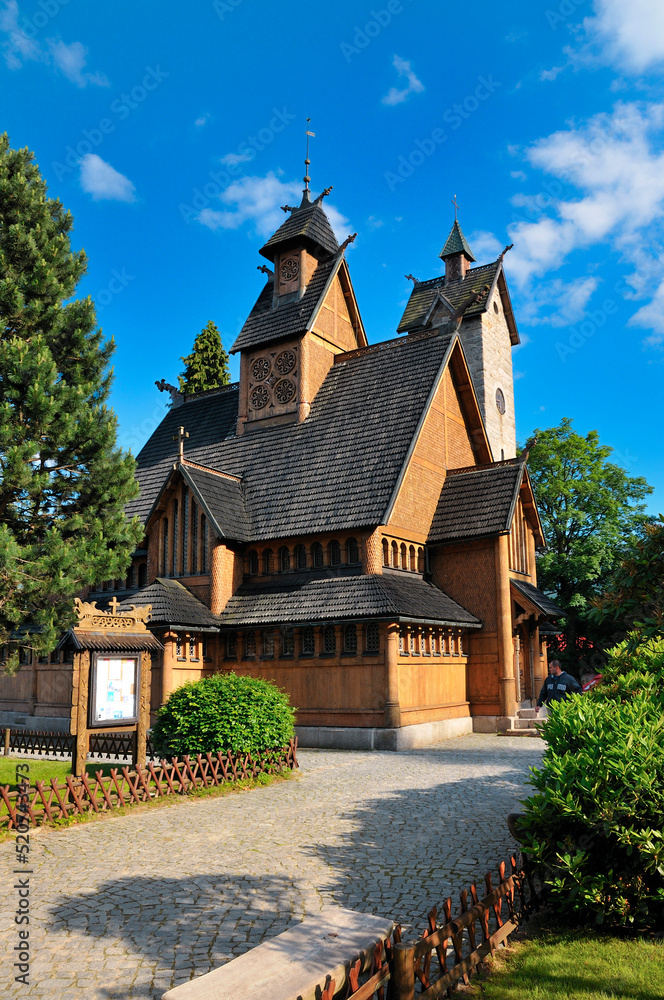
x: 224, y: 712
x: 594, y: 828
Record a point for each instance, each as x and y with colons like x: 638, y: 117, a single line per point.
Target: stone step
x: 524, y: 723
x: 527, y: 713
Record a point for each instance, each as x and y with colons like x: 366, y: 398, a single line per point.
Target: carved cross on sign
x: 179, y: 437
x: 114, y: 605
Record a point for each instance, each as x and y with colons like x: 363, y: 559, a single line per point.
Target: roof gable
x: 307, y: 225
x: 477, y: 502
x: 173, y: 605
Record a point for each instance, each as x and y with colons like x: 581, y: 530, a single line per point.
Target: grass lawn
x: 45, y: 768
x: 576, y: 965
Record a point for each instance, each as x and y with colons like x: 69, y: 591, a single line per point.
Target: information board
x: 115, y: 689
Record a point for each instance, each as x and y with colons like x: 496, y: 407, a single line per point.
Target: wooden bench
x: 293, y: 964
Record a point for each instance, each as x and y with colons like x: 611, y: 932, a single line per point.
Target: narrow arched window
x: 403, y: 638
x: 308, y: 641
x: 194, y: 537
x: 250, y: 643
x: 420, y: 559
x: 372, y: 638
x: 131, y: 577
x: 329, y: 639
x: 300, y: 555
x: 205, y: 544
x: 142, y: 574
x: 185, y: 530
x: 395, y: 555
x: 350, y: 638
x: 335, y: 553
x: 404, y: 562
x: 164, y: 547
x: 174, y: 540
x: 412, y: 559
x: 284, y: 559
x: 253, y: 563
x: 317, y: 555
x: 268, y: 644
x: 287, y: 640
x: 267, y: 560
x: 352, y: 552
x: 386, y: 552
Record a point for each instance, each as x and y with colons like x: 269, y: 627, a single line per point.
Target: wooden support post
x: 402, y: 977
x: 81, y: 708
x: 505, y: 642
x: 392, y: 709
x: 8, y: 735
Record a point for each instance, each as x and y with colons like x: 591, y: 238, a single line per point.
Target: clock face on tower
x: 290, y: 268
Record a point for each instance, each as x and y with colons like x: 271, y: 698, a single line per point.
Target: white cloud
x: 551, y: 74
x: 559, y: 303
x: 518, y: 175
x: 485, y: 245
x: 415, y: 86
x: 202, y: 119
x: 19, y: 47
x: 258, y: 201
x: 233, y: 159
x: 631, y: 34
x: 103, y: 182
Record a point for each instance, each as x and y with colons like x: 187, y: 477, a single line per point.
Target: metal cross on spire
x: 307, y: 178
x: 456, y: 207
x: 179, y: 437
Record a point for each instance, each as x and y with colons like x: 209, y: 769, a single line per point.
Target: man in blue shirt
x: 557, y: 686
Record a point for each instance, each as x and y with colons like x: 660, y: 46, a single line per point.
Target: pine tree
x: 207, y: 365
x: 63, y: 480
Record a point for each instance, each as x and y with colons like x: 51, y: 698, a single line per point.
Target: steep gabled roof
x: 309, y: 598
x: 174, y: 605
x: 307, y: 225
x: 419, y: 306
x: 335, y: 470
x: 220, y: 496
x: 477, y: 502
x: 536, y: 598
x: 267, y: 323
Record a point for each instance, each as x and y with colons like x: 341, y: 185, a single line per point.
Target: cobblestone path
x: 130, y: 906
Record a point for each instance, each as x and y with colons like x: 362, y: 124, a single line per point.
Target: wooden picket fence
x: 446, y: 954
x: 47, y: 802
x: 111, y: 745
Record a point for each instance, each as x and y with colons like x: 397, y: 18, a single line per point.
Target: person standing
x: 558, y: 685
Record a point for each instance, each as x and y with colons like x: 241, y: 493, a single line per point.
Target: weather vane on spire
x: 307, y: 178
x: 456, y: 207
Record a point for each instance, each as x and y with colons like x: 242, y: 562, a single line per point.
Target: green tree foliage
x: 590, y: 509
x: 635, y: 596
x: 207, y: 365
x: 63, y: 481
x: 595, y: 826
x: 224, y: 712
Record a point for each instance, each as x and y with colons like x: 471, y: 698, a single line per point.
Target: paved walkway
x: 128, y: 907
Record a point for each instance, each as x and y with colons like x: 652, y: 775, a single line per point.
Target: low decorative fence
x: 110, y: 745
x: 47, y: 802
x: 446, y: 954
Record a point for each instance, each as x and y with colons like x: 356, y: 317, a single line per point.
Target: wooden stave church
x: 349, y: 520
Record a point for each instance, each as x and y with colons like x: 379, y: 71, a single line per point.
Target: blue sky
x: 174, y: 132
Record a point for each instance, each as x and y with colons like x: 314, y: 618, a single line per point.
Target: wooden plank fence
x: 47, y: 802
x: 446, y: 954
x: 111, y: 745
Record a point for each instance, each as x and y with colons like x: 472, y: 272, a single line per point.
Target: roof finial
x: 456, y: 207
x: 307, y: 178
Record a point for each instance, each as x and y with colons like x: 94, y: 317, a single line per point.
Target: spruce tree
x: 207, y: 365
x: 63, y: 480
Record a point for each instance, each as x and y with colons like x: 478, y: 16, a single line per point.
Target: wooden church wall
x: 333, y: 322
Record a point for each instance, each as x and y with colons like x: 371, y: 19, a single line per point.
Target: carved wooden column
x: 504, y: 618
x: 392, y: 708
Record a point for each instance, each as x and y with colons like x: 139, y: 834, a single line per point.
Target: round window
x: 500, y: 400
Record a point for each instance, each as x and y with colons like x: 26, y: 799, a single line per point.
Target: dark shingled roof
x: 172, y: 604
x: 536, y: 597
x: 456, y: 243
x: 478, y: 502
x: 307, y: 224
x: 335, y: 470
x: 424, y: 293
x: 266, y: 324
x: 111, y: 641
x: 224, y: 499
x: 312, y: 598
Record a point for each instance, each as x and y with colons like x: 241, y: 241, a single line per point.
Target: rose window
x: 260, y: 369
x: 290, y: 269
x: 284, y: 390
x: 285, y: 362
x: 260, y: 397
